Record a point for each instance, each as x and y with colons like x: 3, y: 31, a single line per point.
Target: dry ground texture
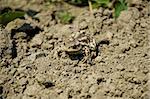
x: 112, y: 61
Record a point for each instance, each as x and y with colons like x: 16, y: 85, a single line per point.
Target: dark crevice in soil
x: 14, y: 50
x: 28, y: 29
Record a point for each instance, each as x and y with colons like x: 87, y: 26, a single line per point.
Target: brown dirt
x: 31, y: 66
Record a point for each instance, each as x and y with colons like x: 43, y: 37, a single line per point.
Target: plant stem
x: 90, y: 7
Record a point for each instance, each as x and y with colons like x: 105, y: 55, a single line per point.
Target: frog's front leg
x: 86, y: 54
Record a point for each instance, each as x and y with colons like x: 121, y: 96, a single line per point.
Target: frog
x: 81, y: 44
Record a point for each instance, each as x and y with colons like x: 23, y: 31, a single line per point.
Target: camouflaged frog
x: 81, y: 46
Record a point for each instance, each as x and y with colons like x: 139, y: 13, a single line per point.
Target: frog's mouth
x: 76, y: 55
